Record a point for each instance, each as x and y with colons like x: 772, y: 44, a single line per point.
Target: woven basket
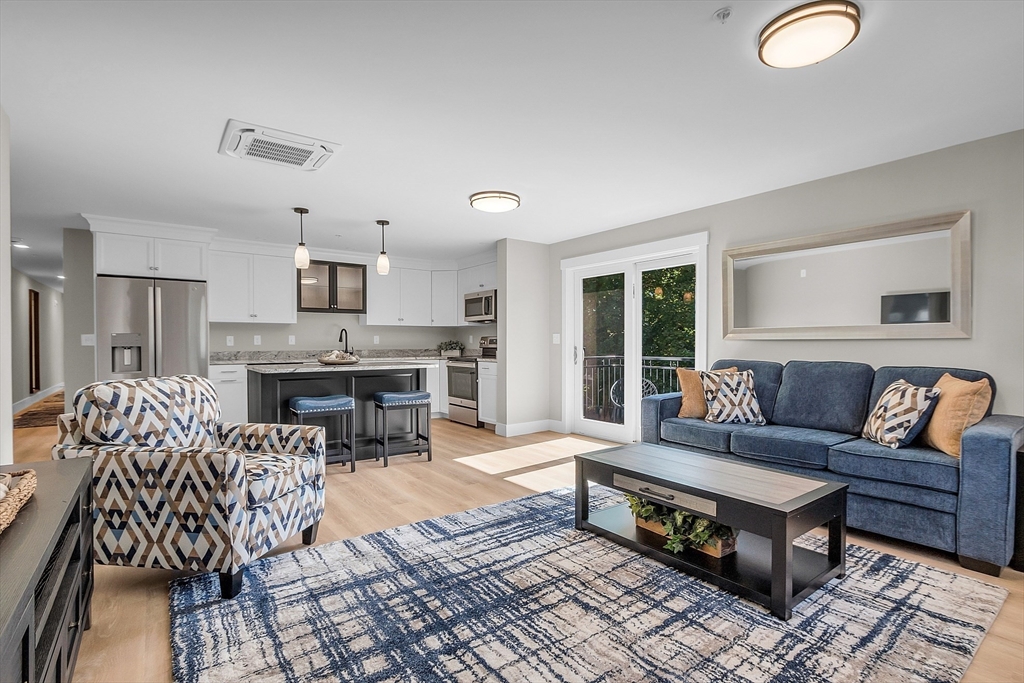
x: 17, y: 496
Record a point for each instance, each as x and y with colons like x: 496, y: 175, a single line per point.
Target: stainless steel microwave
x: 481, y: 307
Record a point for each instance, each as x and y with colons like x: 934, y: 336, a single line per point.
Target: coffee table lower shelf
x: 746, y: 572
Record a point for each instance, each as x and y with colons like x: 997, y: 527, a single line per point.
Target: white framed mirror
x: 910, y: 279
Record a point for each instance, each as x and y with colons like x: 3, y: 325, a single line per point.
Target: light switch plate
x: 229, y: 340
x: 88, y: 340
x: 470, y: 339
x: 291, y: 339
x: 376, y: 339
x: 257, y: 340
x: 556, y: 338
x: 803, y: 272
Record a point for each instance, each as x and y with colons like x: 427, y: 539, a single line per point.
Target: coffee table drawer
x: 668, y: 495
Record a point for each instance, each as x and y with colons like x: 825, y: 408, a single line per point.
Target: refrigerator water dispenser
x: 126, y: 352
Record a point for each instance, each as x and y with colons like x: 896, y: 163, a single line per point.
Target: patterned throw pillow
x: 901, y: 413
x: 730, y: 397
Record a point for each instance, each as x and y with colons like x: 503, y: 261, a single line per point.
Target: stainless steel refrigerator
x: 147, y: 328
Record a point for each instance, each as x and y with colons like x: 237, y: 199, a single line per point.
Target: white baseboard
x: 521, y: 428
x: 36, y: 398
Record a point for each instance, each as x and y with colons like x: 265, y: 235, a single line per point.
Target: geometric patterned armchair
x: 175, y: 488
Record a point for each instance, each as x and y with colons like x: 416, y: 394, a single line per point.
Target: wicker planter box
x: 720, y: 549
x: 454, y: 353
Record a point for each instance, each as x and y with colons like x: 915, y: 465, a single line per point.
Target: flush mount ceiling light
x: 493, y: 201
x: 301, y: 253
x: 383, y: 262
x: 808, y: 34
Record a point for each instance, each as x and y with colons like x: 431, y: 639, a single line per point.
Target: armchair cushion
x: 270, y: 476
x: 156, y: 412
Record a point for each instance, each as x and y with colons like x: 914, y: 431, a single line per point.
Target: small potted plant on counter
x: 451, y: 348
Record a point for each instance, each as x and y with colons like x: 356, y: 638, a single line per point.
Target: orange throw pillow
x: 961, y: 405
x: 694, y: 403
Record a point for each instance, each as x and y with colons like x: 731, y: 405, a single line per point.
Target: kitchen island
x: 272, y: 385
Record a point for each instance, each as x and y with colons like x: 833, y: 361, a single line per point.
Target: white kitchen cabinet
x: 251, y: 288
x: 384, y: 297
x: 444, y: 308
x: 232, y: 385
x: 487, y: 392
x: 416, y: 297
x: 434, y: 387
x: 135, y: 255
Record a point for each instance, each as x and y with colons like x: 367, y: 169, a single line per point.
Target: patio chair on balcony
x: 648, y: 388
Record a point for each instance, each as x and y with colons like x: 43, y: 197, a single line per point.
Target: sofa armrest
x: 148, y: 501
x: 654, y: 409
x: 988, y: 479
x: 283, y: 439
x: 69, y: 432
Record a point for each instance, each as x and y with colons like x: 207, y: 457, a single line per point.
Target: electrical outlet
x: 88, y: 340
x: 229, y: 340
x: 556, y: 338
x: 470, y: 339
x: 376, y: 339
x: 291, y: 339
x: 257, y: 340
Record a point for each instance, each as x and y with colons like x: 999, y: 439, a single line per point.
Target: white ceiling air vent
x: 259, y: 143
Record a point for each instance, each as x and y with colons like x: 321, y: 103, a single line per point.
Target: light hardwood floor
x: 130, y: 635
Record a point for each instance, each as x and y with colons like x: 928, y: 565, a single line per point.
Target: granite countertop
x: 366, y: 364
x: 270, y: 357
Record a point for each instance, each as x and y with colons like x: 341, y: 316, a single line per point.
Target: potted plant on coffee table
x: 682, y: 529
x: 451, y: 348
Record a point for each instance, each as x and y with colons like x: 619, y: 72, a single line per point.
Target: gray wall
x: 51, y: 335
x: 985, y: 176
x: 524, y: 296
x: 79, y: 361
x: 6, y: 404
x: 840, y: 286
x: 315, y: 331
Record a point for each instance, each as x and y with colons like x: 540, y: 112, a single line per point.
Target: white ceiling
x: 599, y: 114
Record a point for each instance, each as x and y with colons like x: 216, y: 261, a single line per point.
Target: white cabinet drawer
x: 487, y: 368
x: 218, y: 372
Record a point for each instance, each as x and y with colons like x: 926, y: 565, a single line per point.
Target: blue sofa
x: 815, y: 413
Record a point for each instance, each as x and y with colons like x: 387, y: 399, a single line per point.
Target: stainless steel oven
x: 462, y: 391
x: 481, y: 307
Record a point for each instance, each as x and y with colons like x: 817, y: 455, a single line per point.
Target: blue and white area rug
x: 512, y: 592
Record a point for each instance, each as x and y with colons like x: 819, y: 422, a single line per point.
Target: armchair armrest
x: 69, y: 431
x: 988, y: 479
x: 654, y: 409
x: 176, y: 508
x: 283, y: 439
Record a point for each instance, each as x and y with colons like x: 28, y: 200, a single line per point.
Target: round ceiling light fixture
x: 494, y: 201
x: 808, y: 34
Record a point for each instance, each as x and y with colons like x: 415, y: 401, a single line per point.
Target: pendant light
x: 383, y: 262
x: 809, y: 34
x: 301, y: 253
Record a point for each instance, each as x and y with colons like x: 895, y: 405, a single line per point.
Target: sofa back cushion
x: 154, y: 412
x: 925, y: 377
x: 767, y: 376
x: 829, y: 395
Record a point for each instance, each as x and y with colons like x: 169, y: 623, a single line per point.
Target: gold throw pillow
x: 961, y: 405
x: 694, y: 403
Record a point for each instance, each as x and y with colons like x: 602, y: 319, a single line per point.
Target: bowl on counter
x: 338, y: 358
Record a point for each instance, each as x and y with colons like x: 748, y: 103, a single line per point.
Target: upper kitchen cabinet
x: 251, y: 288
x: 144, y: 249
x: 444, y: 305
x: 402, y: 297
x: 329, y: 287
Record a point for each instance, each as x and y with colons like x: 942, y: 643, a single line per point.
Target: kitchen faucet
x: 343, y: 339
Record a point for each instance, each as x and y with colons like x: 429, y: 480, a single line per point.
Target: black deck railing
x: 603, y: 387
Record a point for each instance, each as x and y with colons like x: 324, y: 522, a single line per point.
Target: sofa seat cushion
x: 269, y: 476
x: 690, y: 431
x: 788, y: 445
x: 913, y: 466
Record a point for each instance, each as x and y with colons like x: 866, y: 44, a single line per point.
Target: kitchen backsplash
x: 317, y: 331
x: 240, y: 357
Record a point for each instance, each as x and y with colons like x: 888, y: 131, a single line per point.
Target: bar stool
x: 414, y: 401
x: 341, y: 405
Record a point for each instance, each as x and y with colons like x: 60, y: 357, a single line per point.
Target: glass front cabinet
x: 328, y: 287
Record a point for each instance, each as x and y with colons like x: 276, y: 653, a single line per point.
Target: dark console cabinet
x: 46, y: 575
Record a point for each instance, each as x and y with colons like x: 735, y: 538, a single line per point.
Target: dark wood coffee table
x: 771, y: 507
